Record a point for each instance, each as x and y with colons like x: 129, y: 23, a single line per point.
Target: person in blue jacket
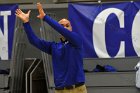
x: 67, y: 55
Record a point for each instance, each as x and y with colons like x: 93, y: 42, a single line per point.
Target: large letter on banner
x: 7, y: 24
x: 99, y: 25
x: 4, y: 36
x: 136, y: 33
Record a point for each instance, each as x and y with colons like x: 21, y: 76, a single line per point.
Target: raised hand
x: 41, y: 11
x: 23, y: 16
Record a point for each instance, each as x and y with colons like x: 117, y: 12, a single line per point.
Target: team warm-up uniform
x: 67, y: 57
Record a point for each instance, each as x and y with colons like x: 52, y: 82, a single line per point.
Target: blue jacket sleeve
x: 72, y: 37
x: 34, y: 40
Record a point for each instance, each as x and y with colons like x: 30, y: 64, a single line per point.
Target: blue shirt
x: 67, y: 57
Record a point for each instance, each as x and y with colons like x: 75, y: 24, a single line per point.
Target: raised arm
x: 33, y: 39
x: 72, y: 37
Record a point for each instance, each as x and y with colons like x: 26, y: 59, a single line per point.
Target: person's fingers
x: 38, y: 16
x: 17, y: 12
x: 20, y: 10
x: 17, y: 15
x: 39, y: 6
x: 29, y: 12
x: 38, y: 3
